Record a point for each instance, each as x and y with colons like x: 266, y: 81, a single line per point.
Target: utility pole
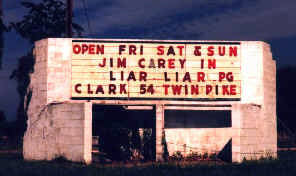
x: 69, y: 14
x: 1, y: 12
x: 1, y: 34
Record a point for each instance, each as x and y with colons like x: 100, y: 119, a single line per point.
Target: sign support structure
x: 72, y: 74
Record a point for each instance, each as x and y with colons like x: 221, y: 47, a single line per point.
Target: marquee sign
x: 103, y: 69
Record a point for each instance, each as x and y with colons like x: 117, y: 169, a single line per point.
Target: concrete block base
x: 59, y: 130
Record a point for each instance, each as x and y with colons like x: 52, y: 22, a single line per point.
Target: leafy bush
x: 177, y: 156
x: 193, y: 156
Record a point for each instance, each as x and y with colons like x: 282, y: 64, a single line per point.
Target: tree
x: 44, y: 20
x: 2, y: 117
x: 2, y: 123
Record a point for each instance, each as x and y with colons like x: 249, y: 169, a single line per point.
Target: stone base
x: 59, y: 130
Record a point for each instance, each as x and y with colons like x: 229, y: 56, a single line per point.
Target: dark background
x: 272, y: 21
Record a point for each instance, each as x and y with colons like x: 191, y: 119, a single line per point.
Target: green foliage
x: 2, y: 117
x: 128, y: 145
x: 61, y: 160
x: 115, y: 142
x: 177, y: 156
x: 205, y: 156
x: 2, y: 124
x: 193, y: 156
x: 43, y: 20
x: 135, y: 140
x: 13, y: 165
x: 148, y: 145
x: 21, y: 75
x: 213, y: 156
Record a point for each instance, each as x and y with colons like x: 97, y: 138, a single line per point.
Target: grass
x: 14, y: 165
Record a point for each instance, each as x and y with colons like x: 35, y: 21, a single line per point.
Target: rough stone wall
x: 255, y: 119
x: 57, y: 131
x: 36, y: 107
x: 57, y: 127
x: 269, y: 105
x: 251, y: 73
x: 247, y: 135
x: 59, y: 70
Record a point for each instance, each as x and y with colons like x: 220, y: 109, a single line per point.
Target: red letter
x: 171, y: 63
x: 122, y: 89
x: 200, y: 76
x: 103, y: 63
x: 76, y: 49
x: 229, y: 76
x: 225, y: 90
x: 208, y: 89
x: 100, y: 49
x: 210, y: 51
x: 232, y: 89
x: 221, y: 76
x: 166, y: 87
x: 211, y: 63
x: 176, y: 89
x: 91, y: 49
x: 233, y: 51
x: 194, y: 89
x: 84, y: 48
x: 221, y: 50
x: 121, y: 63
x: 160, y: 50
x: 180, y: 50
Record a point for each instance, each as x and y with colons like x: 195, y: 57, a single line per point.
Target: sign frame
x: 156, y: 42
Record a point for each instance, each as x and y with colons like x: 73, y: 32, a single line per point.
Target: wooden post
x: 69, y: 14
x: 159, y: 130
x: 1, y: 9
x: 1, y: 35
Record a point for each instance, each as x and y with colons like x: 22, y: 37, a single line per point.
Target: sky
x: 272, y: 21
